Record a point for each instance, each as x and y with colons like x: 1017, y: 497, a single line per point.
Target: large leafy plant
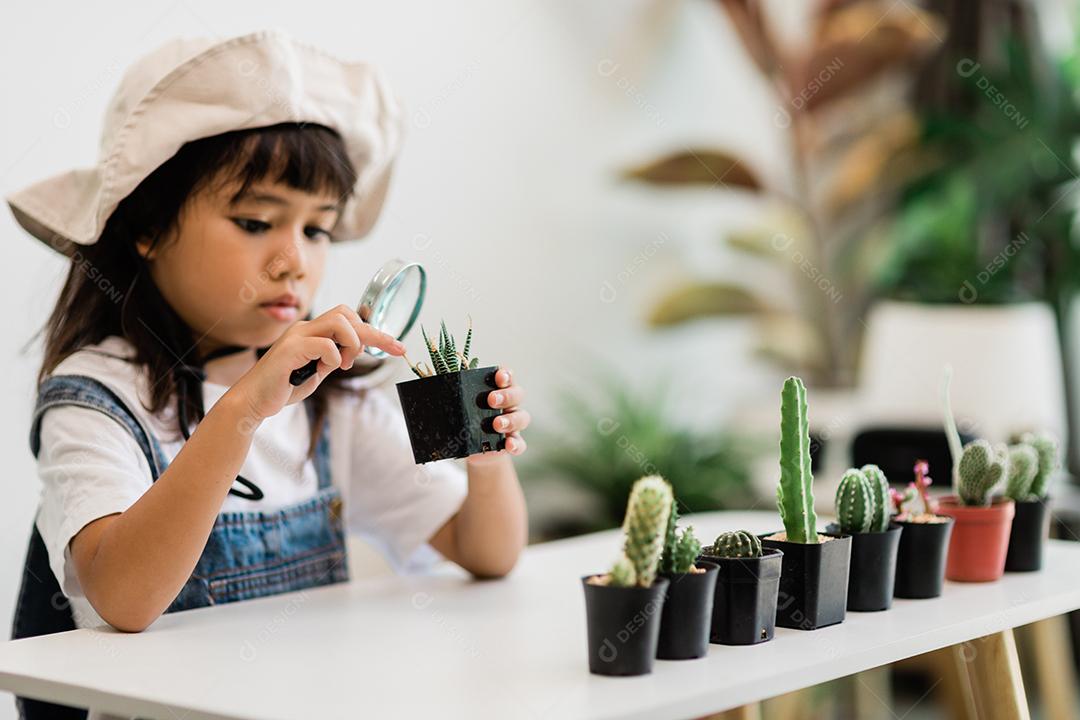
x: 841, y: 100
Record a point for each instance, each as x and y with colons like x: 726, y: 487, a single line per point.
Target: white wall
x: 521, y: 113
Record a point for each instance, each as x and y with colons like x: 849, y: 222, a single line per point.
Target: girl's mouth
x: 284, y: 308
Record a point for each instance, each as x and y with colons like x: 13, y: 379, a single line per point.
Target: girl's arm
x: 487, y: 534
x: 131, y: 565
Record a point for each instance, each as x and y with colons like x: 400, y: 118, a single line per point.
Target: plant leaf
x: 714, y: 168
x: 749, y: 23
x: 857, y: 43
x: 696, y: 300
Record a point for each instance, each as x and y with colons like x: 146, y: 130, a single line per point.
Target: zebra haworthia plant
x: 644, y: 533
x: 862, y: 500
x: 445, y: 358
x: 795, y: 492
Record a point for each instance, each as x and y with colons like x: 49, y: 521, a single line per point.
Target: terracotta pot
x: 980, y: 539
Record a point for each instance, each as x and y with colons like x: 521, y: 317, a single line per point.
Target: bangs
x: 310, y: 158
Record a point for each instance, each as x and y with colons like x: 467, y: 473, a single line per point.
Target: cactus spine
x: 795, y: 493
x: 644, y: 529
x: 735, y: 544
x: 978, y: 466
x: 862, y: 500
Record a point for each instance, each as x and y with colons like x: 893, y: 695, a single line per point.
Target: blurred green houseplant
x: 605, y: 447
x: 842, y: 101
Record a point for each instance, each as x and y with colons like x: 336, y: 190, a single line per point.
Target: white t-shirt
x: 90, y: 466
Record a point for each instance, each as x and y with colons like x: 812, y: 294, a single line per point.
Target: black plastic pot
x: 448, y: 416
x: 1030, y: 526
x: 684, y: 623
x: 920, y: 559
x: 744, y: 607
x: 873, y: 569
x: 813, y: 582
x: 623, y: 625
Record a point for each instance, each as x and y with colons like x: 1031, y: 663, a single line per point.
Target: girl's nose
x: 291, y: 257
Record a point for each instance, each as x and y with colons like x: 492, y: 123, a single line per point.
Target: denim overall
x: 248, y: 554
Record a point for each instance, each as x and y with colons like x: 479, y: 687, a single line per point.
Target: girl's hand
x: 265, y: 388
x: 512, y: 421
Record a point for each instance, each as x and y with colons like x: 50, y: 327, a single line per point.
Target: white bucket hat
x: 191, y: 89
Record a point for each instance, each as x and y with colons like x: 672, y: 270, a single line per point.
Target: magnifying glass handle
x: 300, y: 375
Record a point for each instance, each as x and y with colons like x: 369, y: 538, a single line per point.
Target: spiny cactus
x: 644, y: 527
x: 1023, y: 467
x: 978, y: 466
x: 862, y: 500
x: 795, y: 493
x: 622, y: 572
x: 879, y: 486
x: 1046, y: 445
x: 444, y: 355
x: 680, y: 549
x: 735, y: 544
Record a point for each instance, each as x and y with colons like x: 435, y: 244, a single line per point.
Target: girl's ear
x: 145, y: 247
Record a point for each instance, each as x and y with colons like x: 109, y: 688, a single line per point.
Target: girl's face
x: 239, y: 272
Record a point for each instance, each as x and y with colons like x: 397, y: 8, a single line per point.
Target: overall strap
x: 91, y: 393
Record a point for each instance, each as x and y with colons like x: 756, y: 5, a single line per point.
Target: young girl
x: 180, y: 467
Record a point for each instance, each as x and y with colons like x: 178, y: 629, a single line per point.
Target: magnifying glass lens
x: 391, y: 302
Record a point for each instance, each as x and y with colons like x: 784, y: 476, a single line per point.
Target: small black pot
x: 920, y: 559
x: 813, y: 582
x: 873, y: 569
x: 684, y: 623
x: 1030, y: 526
x: 623, y: 624
x: 448, y: 416
x: 744, y: 609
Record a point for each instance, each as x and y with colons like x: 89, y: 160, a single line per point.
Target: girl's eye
x: 254, y: 227
x: 316, y: 233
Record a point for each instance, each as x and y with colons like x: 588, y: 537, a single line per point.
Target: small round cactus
x: 862, y: 500
x: 855, y: 502
x: 736, y: 544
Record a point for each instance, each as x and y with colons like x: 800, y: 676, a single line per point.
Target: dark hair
x: 109, y: 290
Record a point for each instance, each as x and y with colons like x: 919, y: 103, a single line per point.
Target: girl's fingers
x: 346, y: 337
x: 509, y: 397
x: 512, y: 422
x: 515, y: 444
x: 503, y: 377
x: 369, y: 335
x: 322, y: 349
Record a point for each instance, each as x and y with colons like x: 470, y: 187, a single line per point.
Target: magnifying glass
x: 391, y: 303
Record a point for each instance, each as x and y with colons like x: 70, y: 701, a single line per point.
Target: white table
x: 449, y: 647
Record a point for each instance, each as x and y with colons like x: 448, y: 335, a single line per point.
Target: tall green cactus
x: 795, y: 492
x: 644, y: 527
x: 862, y: 500
x: 978, y: 466
x: 1023, y: 467
x: 735, y: 544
